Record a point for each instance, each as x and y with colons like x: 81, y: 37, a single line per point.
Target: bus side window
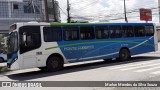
x: 149, y: 30
x: 115, y: 32
x: 102, y: 32
x: 87, y: 33
x: 21, y: 41
x: 32, y: 38
x: 139, y: 31
x: 52, y: 34
x: 71, y: 33
x: 127, y: 31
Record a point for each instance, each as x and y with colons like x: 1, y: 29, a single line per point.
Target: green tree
x: 2, y: 44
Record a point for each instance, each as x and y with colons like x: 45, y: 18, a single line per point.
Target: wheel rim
x: 124, y: 55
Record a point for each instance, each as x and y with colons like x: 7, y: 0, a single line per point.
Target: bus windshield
x: 13, y: 42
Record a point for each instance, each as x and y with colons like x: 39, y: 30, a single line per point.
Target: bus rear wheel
x: 54, y: 63
x: 124, y: 55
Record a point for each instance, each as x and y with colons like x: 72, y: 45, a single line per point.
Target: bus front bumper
x: 13, y: 66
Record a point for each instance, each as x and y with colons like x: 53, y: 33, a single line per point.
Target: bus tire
x: 42, y: 68
x: 124, y: 55
x: 54, y: 63
x: 1, y: 60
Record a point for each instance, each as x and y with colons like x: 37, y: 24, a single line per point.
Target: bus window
x: 139, y: 31
x: 32, y: 38
x: 102, y: 32
x: 115, y: 32
x: 71, y: 33
x: 127, y: 31
x: 149, y: 30
x: 52, y: 34
x: 87, y: 33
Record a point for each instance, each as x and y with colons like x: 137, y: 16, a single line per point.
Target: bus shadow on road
x: 76, y: 68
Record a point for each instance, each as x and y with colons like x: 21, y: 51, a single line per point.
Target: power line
x: 86, y: 6
x: 62, y: 10
x: 100, y: 16
x: 136, y: 10
x: 81, y: 1
x: 112, y: 10
x: 85, y: 3
x: 121, y: 14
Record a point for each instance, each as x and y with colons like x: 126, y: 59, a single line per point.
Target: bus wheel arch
x: 54, y: 62
x: 124, y: 54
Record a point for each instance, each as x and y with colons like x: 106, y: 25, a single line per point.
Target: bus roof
x: 96, y: 24
x: 79, y: 24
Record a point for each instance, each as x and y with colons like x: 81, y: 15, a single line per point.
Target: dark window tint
x: 115, y: 32
x: 87, y: 33
x: 15, y: 6
x: 139, y: 31
x: 71, y: 33
x: 127, y: 31
x: 102, y: 32
x: 52, y: 34
x: 32, y: 38
x: 149, y: 30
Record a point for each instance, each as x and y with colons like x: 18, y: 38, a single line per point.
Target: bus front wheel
x: 124, y: 55
x: 54, y: 63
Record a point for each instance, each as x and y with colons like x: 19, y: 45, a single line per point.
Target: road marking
x: 139, y: 67
x: 144, y: 70
x: 133, y: 64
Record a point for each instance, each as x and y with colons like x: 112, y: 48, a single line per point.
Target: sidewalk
x: 3, y: 64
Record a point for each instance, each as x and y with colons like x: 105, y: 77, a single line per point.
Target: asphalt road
x: 144, y: 67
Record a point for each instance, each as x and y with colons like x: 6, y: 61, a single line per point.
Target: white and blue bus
x: 49, y: 46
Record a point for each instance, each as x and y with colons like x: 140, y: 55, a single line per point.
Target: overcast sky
x: 95, y: 10
x: 108, y: 9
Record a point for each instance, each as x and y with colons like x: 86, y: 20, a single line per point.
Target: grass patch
x: 4, y: 68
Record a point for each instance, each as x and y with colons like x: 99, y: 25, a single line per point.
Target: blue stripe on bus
x: 97, y: 49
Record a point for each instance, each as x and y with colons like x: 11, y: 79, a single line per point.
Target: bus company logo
x: 6, y: 84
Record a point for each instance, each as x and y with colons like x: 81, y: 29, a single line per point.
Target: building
x: 51, y: 11
x: 158, y: 31
x: 24, y: 11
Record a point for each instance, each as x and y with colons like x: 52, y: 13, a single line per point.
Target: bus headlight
x: 14, y: 60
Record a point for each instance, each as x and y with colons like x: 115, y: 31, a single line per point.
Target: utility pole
x: 33, y: 5
x: 68, y: 12
x: 54, y: 11
x: 46, y: 10
x: 125, y: 14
